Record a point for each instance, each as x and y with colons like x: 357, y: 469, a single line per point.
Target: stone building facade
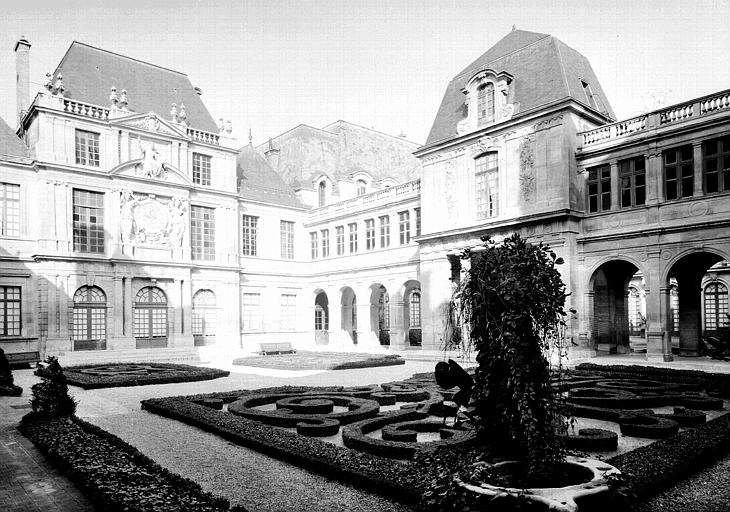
x: 134, y: 225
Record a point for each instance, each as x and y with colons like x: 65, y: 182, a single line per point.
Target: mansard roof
x: 89, y: 73
x: 258, y: 181
x: 11, y: 147
x: 544, y: 70
x: 341, y: 149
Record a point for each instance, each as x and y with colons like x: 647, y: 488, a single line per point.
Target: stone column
x: 336, y: 336
x: 615, y: 186
x: 117, y: 308
x: 653, y: 177
x: 367, y: 335
x: 128, y: 307
x: 697, y: 159
x: 186, y: 311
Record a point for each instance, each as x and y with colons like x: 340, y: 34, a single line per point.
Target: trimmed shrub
x: 7, y: 384
x: 50, y: 397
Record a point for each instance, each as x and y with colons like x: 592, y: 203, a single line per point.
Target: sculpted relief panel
x: 151, y: 221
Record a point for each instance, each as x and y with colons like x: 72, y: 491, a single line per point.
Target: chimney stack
x: 272, y: 156
x: 22, y: 76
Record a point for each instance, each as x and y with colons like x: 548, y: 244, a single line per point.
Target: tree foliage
x: 510, y: 306
x: 50, y: 396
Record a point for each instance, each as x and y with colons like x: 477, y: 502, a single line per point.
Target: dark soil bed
x: 320, y: 361
x: 94, y: 376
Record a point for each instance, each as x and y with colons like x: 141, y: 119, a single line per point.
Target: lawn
x: 304, y: 360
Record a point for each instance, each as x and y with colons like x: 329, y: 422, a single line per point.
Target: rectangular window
x: 251, y: 312
x: 9, y: 209
x: 287, y: 240
x: 88, y: 221
x: 353, y: 237
x: 325, y: 243
x: 716, y: 165
x: 9, y: 310
x: 633, y: 182
x: 370, y: 234
x: 418, y: 221
x: 404, y: 227
x: 385, y: 231
x: 202, y: 233
x: 315, y: 244
x: 250, y: 235
x: 678, y: 172
x: 487, y: 185
x: 87, y: 148
x: 599, y: 189
x: 288, y: 312
x: 340, y: 235
x: 201, y: 169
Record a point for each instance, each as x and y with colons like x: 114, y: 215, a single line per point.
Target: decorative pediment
x: 500, y: 107
x: 150, y: 122
x: 151, y: 168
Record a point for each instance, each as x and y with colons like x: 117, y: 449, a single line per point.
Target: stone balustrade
x: 383, y: 195
x: 681, y: 112
x: 85, y: 109
x: 204, y: 137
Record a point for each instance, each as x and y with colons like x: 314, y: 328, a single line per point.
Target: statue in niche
x: 126, y: 216
x: 153, y: 163
x: 177, y: 207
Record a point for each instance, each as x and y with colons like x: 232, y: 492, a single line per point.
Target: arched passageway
x: 380, y: 313
x: 412, y: 312
x: 321, y: 319
x: 348, y: 316
x: 615, y: 317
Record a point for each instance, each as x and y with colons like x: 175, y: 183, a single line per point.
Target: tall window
x: 322, y: 192
x: 250, y: 235
x: 716, y: 306
x: 404, y: 227
x: 87, y: 148
x: 251, y: 312
x: 315, y: 244
x: 599, y: 189
x: 287, y: 239
x: 353, y: 237
x: 385, y: 231
x: 88, y: 221
x: 633, y: 182
x: 634, y: 307
x: 674, y: 307
x: 716, y: 165
x: 485, y: 103
x: 201, y: 169
x: 678, y: 172
x: 414, y: 310
x: 288, y: 312
x: 361, y: 187
x: 487, y: 185
x: 9, y: 209
x: 325, y: 243
x: 202, y: 232
x: 9, y: 310
x: 150, y: 316
x: 418, y: 221
x: 370, y: 234
x: 204, y: 317
x: 89, y: 318
x: 340, y: 236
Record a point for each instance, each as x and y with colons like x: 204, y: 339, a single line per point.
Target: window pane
x: 88, y: 221
x: 201, y: 169
x: 202, y: 233
x: 9, y: 209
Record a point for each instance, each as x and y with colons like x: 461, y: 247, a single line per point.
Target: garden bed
x: 95, y: 376
x: 304, y: 360
x: 113, y: 474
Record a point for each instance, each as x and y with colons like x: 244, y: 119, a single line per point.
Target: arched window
x: 716, y: 306
x: 485, y: 103
x: 322, y: 191
x: 361, y: 187
x: 384, y: 317
x: 414, y: 310
x: 89, y: 319
x: 635, y: 318
x: 487, y: 185
x: 150, y: 318
x: 674, y: 307
x: 204, y: 318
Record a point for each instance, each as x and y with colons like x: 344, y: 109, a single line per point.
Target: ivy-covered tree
x: 511, y: 305
x: 7, y: 383
x: 50, y: 396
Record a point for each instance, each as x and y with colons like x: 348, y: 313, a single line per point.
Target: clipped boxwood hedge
x: 113, y: 474
x: 179, y: 373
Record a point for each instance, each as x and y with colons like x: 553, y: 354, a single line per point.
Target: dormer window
x: 485, y: 103
x: 361, y: 187
x: 322, y: 193
x: 589, y: 94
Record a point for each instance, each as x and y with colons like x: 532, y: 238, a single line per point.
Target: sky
x: 269, y: 65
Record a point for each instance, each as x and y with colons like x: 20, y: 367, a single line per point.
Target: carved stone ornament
x: 503, y: 109
x: 527, y: 170
x: 152, y: 221
x: 153, y: 162
x: 449, y: 188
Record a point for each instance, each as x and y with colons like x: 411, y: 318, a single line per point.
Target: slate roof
x: 258, y: 181
x: 544, y: 70
x: 11, y: 147
x: 89, y: 73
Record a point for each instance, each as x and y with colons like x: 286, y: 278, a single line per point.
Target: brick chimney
x: 22, y: 76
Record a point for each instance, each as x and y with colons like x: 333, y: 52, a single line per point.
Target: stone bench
x: 21, y: 358
x: 277, y: 348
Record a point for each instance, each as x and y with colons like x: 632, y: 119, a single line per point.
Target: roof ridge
x: 372, y: 130
x: 300, y: 125
x: 545, y: 36
x: 118, y: 55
